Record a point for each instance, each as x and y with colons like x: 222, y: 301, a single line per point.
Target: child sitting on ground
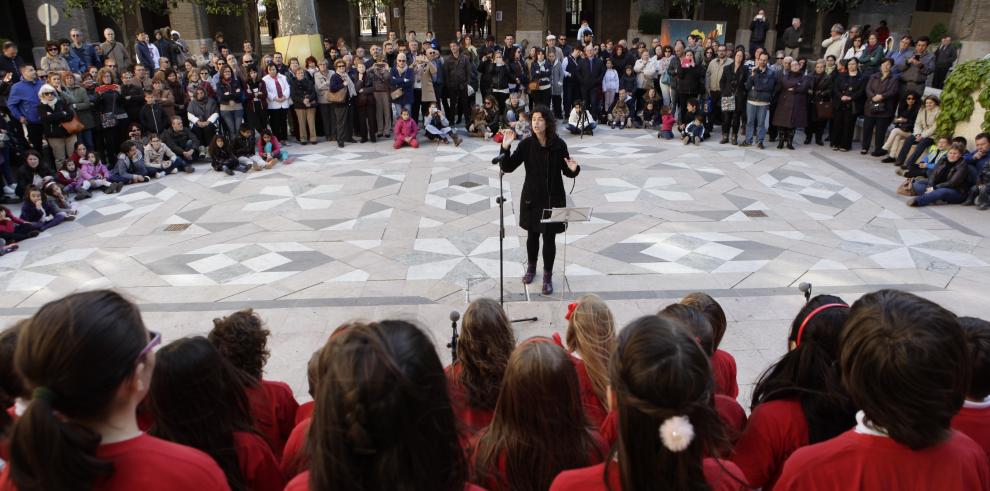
x: 666, y: 124
x: 693, y: 128
x: 405, y: 131
x: 14, y: 229
x: 244, y: 145
x: 38, y: 212
x: 222, y: 157
x: 269, y: 149
x: 95, y: 175
x: 620, y: 111
x: 58, y: 202
x: 158, y: 158
x: 513, y: 108
x: 650, y: 116
x: 522, y: 127
x: 71, y: 181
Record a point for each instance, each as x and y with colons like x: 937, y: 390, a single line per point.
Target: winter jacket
x: 885, y: 87
x: 222, y: 157
x: 156, y: 158
x: 760, y: 85
x: 690, y: 80
x: 80, y: 101
x: 758, y: 28
x: 540, y: 72
x: 403, y: 81
x: 302, y: 90
x: 557, y: 79
x: 955, y: 175
x: 924, y: 122
x: 850, y: 86
x: 127, y: 169
x: 52, y: 117
x: 276, y: 146
x: 792, y: 36
x: 405, y: 128
x: 23, y: 100
x: 180, y: 141
x: 204, y: 110
x: 646, y: 72
x: 457, y: 72
x: 243, y: 147
x: 611, y: 81
x: 55, y: 64
x: 153, y: 119
x: 93, y: 170
x: 230, y: 93
x: 35, y: 217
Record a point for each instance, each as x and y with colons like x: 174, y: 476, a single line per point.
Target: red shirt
x: 733, y: 416
x: 594, y: 408
x: 257, y: 463
x: 301, y: 483
x: 724, y: 372
x: 774, y: 431
x: 974, y: 422
x: 717, y: 473
x: 293, y: 461
x: 472, y: 419
x: 273, y: 408
x: 866, y: 462
x: 597, y: 454
x: 305, y: 411
x: 146, y: 463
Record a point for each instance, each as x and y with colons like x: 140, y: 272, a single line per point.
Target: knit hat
x: 174, y: 33
x: 551, y: 37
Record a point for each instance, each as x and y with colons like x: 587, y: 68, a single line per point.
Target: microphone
x: 455, y: 316
x: 805, y: 288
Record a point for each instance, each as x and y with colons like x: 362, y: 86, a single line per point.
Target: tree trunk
x: 819, y: 33
x: 296, y: 17
x: 252, y: 26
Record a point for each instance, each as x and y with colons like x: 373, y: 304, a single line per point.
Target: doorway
x: 574, y: 12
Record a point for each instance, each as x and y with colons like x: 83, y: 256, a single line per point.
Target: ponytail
x: 74, y: 353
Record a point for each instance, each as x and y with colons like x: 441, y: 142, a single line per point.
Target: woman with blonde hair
x: 591, y: 338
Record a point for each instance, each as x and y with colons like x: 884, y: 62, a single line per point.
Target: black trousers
x: 876, y: 128
x: 843, y: 124
x: 418, y: 109
x: 556, y: 107
x: 326, y: 119
x: 36, y: 134
x: 716, y: 114
x: 278, y: 119
x: 460, y: 106
x: 205, y: 134
x: 732, y: 120
x: 592, y: 101
x: 341, y: 122
x: 367, y: 126
x: 549, y: 248
x: 909, y: 157
x: 571, y: 92
x: 539, y: 98
x: 938, y: 79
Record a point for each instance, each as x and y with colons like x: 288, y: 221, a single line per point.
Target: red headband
x: 570, y: 310
x: 797, y: 342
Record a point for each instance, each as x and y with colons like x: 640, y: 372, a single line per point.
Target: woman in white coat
x: 279, y: 102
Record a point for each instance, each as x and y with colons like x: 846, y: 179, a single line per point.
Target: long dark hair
x: 483, y: 351
x: 659, y: 372
x: 551, y: 123
x: 197, y: 401
x: 383, y: 418
x: 11, y: 385
x: 539, y: 428
x: 78, y: 350
x: 712, y: 310
x: 810, y: 371
x: 905, y: 364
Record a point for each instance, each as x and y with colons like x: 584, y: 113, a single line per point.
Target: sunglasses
x: 780, y: 57
x: 48, y: 93
x: 156, y: 339
x: 52, y: 50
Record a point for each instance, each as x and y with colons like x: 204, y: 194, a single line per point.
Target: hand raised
x: 571, y: 164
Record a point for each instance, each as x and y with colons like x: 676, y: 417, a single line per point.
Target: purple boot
x: 530, y: 274
x: 547, y: 282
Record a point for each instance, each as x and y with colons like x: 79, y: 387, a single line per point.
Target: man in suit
x: 945, y: 56
x: 591, y: 70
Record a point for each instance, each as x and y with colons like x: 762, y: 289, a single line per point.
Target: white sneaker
x: 9, y: 190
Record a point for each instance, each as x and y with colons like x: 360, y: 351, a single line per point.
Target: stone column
x: 298, y: 30
x: 969, y: 24
x: 417, y: 18
x: 193, y: 26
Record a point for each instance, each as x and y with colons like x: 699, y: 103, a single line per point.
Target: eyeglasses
x: 156, y: 339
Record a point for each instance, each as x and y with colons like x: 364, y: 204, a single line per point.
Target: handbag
x: 877, y: 107
x: 823, y: 110
x: 108, y: 120
x: 728, y: 103
x: 397, y: 93
x: 906, y: 188
x: 533, y: 86
x: 339, y: 96
x: 665, y: 78
x: 73, y: 125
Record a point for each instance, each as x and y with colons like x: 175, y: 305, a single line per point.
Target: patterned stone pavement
x: 368, y: 232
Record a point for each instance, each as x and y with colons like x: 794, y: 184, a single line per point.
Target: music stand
x: 566, y: 216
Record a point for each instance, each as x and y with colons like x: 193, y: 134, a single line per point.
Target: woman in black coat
x: 821, y: 105
x: 881, y: 99
x: 54, y: 111
x: 792, y: 104
x: 690, y: 82
x: 546, y: 159
x: 733, y: 83
x: 847, y: 97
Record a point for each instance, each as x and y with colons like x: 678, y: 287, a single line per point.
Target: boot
x: 807, y: 138
x: 735, y: 138
x: 780, y: 142
x: 818, y: 140
x: 530, y: 274
x: 547, y: 282
x: 725, y: 139
x: 790, y: 140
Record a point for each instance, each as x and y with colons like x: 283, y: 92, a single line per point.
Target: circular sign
x: 45, y: 15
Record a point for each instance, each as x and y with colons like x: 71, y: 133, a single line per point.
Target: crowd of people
x: 91, y: 116
x: 891, y: 392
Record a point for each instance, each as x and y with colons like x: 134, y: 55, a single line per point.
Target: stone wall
x: 417, y: 18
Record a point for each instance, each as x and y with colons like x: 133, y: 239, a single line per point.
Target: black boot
x: 807, y: 138
x: 818, y: 140
x: 790, y: 139
x: 735, y: 138
x: 780, y: 142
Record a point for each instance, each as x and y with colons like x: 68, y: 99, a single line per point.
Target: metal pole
x: 48, y: 25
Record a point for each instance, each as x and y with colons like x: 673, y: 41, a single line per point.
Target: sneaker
x: 9, y: 190
x: 118, y: 187
x: 159, y: 175
x: 745, y: 144
x: 83, y: 194
x: 913, y: 202
x: 228, y: 171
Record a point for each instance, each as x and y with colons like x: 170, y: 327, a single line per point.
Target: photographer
x: 580, y: 120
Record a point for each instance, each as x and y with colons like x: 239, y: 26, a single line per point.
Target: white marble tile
x: 212, y: 263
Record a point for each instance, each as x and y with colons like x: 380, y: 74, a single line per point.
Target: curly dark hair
x: 242, y: 339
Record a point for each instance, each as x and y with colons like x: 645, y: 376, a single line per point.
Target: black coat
x: 590, y: 77
x: 544, y: 184
x: 690, y: 80
x: 51, y: 118
x: 733, y: 82
x: 854, y: 87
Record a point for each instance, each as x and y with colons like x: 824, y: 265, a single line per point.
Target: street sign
x: 48, y: 14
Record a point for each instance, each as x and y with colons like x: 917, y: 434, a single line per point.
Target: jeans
x: 907, y: 157
x: 232, y: 120
x: 756, y: 122
x: 948, y: 195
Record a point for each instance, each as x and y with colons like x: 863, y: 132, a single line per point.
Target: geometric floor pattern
x: 368, y: 231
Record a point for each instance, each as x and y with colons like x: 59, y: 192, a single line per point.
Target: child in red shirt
x: 475, y: 377
x: 197, y: 401
x: 88, y: 360
x: 242, y: 339
x: 904, y: 363
x: 661, y: 387
x: 590, y: 339
x: 799, y: 399
x: 539, y: 428
x: 723, y: 364
x: 382, y: 404
x: 974, y: 417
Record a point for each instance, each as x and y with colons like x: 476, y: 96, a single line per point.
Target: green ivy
x: 957, y: 105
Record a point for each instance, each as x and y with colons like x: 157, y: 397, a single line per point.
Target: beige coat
x: 924, y: 123
x: 322, y: 83
x: 426, y: 81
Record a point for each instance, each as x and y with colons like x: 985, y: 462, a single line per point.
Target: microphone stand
x: 500, y: 199
x: 454, y: 316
